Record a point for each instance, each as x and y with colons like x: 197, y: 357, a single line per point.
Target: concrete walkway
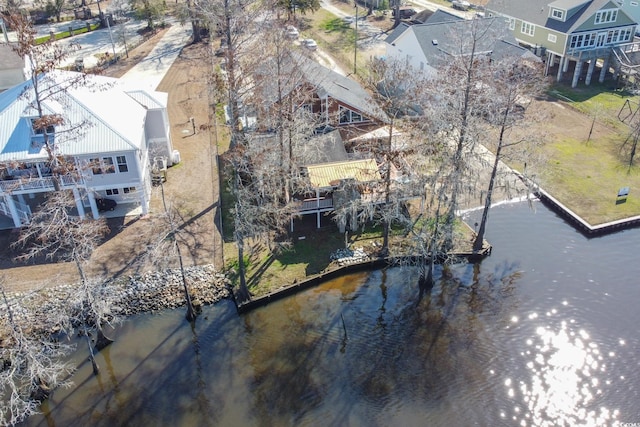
x: 150, y: 71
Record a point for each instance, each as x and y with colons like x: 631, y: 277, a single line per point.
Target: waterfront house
x: 573, y: 35
x: 102, y: 146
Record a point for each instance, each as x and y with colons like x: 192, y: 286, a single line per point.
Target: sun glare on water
x: 563, y: 381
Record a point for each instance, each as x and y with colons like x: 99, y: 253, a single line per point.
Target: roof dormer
x: 557, y: 14
x: 39, y: 128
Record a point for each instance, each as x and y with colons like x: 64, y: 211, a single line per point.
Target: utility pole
x: 355, y: 42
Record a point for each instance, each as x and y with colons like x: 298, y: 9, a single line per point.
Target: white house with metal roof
x: 107, y: 138
x: 573, y: 32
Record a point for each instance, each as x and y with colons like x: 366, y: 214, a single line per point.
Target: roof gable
x: 443, y: 39
x: 301, y: 70
x: 99, y: 118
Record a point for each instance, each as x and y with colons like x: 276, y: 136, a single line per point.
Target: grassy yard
x: 338, y: 39
x: 586, y: 175
x: 65, y: 34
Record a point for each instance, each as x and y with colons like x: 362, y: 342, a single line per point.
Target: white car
x: 292, y: 32
x: 348, y: 20
x: 310, y: 44
x: 461, y: 4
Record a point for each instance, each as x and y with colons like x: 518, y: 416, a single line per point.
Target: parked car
x: 405, y: 12
x: 291, y: 32
x: 461, y: 4
x: 105, y: 204
x: 310, y: 44
x: 348, y: 20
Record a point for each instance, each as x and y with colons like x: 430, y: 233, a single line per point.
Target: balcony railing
x: 13, y: 184
x: 23, y: 210
x: 314, y: 204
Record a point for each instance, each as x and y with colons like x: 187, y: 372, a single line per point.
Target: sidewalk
x: 151, y: 70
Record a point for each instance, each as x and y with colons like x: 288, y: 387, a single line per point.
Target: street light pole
x: 355, y: 42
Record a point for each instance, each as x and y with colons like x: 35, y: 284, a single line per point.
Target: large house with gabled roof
x: 572, y: 34
x: 429, y: 45
x: 107, y: 140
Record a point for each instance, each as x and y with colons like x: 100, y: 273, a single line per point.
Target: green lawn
x: 586, y: 177
x: 65, y: 34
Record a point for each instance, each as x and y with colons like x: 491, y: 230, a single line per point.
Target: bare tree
x: 55, y: 232
x: 237, y: 22
x: 31, y: 362
x: 169, y: 245
x: 397, y: 89
x: 516, y: 82
x: 456, y: 107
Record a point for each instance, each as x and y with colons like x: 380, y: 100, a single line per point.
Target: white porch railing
x: 24, y: 211
x: 316, y: 204
x: 30, y: 185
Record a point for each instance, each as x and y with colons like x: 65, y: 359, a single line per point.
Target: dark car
x: 106, y: 204
x: 405, y: 12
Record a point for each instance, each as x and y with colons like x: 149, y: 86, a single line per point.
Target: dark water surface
x: 543, y: 332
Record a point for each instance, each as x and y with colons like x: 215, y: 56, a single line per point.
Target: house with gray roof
x: 108, y: 137
x: 572, y: 34
x: 427, y: 46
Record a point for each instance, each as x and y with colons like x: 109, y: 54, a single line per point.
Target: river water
x: 544, y: 332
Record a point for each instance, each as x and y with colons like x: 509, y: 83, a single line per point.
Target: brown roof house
x: 335, y: 100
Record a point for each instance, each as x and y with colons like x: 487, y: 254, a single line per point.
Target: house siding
x: 632, y: 8
x: 407, y: 47
x: 621, y: 20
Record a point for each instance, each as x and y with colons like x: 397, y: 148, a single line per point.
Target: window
x: 585, y: 40
x: 122, y: 164
x: 633, y: 3
x: 128, y: 190
x: 552, y: 38
x: 348, y: 116
x: 527, y: 28
x: 39, y: 131
x: 112, y: 192
x: 95, y: 166
x: 106, y: 165
x: 557, y: 14
x: 512, y: 24
x: 605, y: 16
